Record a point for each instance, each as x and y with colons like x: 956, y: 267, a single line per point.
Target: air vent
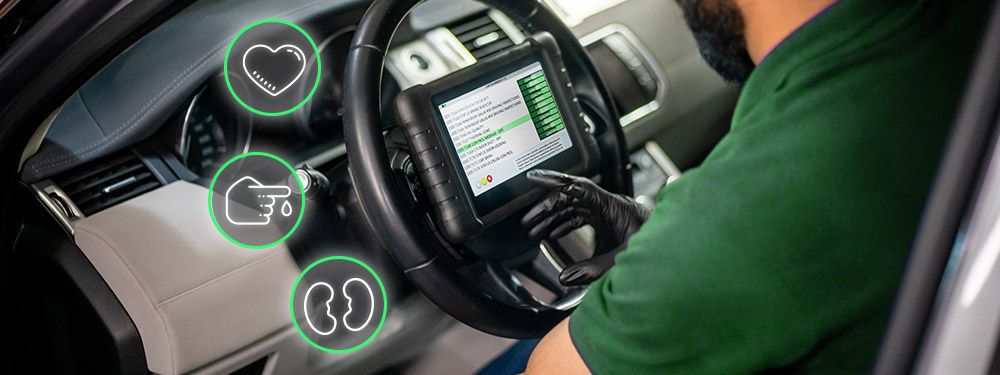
x: 481, y: 35
x: 106, y: 182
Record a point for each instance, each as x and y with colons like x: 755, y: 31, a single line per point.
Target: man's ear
x: 556, y: 354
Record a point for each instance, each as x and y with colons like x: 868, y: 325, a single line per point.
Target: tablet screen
x: 505, y: 127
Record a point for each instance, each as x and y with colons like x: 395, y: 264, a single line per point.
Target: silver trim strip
x: 663, y: 161
x: 571, y: 300
x: 65, y: 213
x: 647, y: 60
x: 507, y: 26
x: 118, y: 185
x: 450, y: 48
x: 574, y: 294
x: 639, y: 113
x: 552, y: 260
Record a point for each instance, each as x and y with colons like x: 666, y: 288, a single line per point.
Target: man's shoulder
x: 906, y: 66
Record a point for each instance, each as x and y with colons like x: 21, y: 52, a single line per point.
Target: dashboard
x: 145, y: 135
x: 213, y: 129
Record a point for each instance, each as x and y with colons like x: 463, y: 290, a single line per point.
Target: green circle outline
x: 229, y: 50
x: 295, y: 321
x: 211, y: 210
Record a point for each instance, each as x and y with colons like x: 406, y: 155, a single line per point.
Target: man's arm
x: 555, y: 354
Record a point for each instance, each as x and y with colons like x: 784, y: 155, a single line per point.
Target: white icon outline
x: 260, y: 81
x: 329, y: 310
x: 285, y: 193
x: 350, y: 304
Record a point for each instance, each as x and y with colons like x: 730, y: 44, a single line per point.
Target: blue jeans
x: 513, y: 361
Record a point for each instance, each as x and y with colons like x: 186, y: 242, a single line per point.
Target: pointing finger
x: 272, y: 191
x: 549, y: 179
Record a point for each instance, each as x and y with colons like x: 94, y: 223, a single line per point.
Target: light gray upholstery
x: 194, y: 296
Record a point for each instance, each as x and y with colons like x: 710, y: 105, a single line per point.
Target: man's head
x: 719, y: 29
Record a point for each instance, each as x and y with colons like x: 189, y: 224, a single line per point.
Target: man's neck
x: 768, y: 22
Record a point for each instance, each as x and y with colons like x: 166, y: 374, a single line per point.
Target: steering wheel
x: 492, y: 299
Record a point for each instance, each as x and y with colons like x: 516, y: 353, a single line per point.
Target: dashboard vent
x: 481, y: 35
x: 107, y: 181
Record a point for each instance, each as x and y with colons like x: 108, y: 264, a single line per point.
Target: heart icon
x: 274, y: 70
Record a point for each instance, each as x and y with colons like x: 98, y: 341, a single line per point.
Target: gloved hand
x: 576, y: 201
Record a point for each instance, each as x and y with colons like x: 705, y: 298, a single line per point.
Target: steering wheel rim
x: 385, y: 204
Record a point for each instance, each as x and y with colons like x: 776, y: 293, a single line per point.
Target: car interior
x: 119, y: 269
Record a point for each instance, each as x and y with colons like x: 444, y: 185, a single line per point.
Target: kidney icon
x: 350, y: 304
x: 319, y: 288
x: 326, y: 304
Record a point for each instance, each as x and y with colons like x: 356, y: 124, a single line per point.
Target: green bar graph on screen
x: 541, y: 104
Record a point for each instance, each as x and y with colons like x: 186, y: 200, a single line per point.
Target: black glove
x: 576, y: 201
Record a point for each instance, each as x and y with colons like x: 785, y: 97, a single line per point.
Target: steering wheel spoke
x: 544, y: 270
x: 501, y: 283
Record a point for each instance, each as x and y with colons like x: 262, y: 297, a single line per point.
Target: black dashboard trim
x: 50, y: 263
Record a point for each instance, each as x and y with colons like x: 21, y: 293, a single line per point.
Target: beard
x: 719, y: 30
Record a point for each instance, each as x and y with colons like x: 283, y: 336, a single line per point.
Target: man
x: 783, y: 250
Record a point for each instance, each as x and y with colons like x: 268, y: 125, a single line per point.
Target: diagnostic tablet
x: 476, y: 132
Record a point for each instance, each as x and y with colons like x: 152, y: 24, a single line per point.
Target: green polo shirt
x: 783, y: 250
